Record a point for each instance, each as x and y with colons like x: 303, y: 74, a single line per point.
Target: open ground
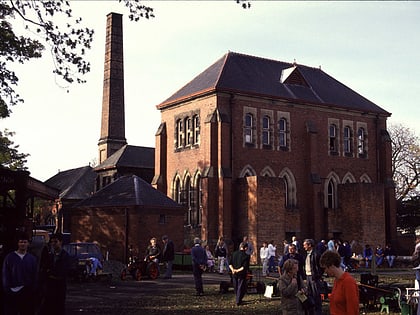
x: 176, y: 296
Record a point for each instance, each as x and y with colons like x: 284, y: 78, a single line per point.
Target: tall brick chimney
x: 113, y: 123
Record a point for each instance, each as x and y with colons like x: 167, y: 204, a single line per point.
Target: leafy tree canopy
x: 67, y: 43
x: 9, y: 155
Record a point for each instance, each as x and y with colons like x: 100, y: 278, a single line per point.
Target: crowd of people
x: 300, y: 269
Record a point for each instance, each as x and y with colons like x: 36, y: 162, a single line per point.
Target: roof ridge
x: 262, y: 58
x: 222, y: 68
x: 78, y: 179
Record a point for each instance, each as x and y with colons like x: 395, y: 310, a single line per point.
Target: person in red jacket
x: 344, y: 299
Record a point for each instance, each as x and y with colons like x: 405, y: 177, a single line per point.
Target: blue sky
x: 372, y: 47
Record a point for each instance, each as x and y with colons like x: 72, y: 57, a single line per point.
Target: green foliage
x: 9, y: 155
x: 53, y: 25
x: 67, y: 41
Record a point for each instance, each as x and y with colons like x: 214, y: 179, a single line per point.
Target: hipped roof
x: 76, y: 184
x: 128, y: 191
x: 130, y: 156
x: 255, y: 76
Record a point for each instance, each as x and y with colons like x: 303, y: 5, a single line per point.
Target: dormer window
x: 293, y: 76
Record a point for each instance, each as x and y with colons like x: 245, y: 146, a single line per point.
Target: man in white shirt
x: 264, y: 258
x: 271, y: 256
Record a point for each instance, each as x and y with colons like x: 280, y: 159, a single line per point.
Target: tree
x: 408, y: 215
x: 67, y: 44
x: 9, y: 155
x: 67, y: 41
x: 405, y: 161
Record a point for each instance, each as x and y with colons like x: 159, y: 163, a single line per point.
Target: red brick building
x: 269, y: 149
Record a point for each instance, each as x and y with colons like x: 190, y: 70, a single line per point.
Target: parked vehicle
x: 81, y: 254
x: 140, y: 269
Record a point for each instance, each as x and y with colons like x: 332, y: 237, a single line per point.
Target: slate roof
x: 77, y: 183
x: 130, y: 156
x: 239, y: 73
x: 128, y: 191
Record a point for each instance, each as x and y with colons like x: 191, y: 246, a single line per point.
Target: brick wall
x: 223, y: 152
x: 107, y: 227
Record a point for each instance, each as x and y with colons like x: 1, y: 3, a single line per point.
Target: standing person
x: 168, y: 256
x: 239, y: 267
x: 416, y: 260
x: 264, y: 258
x: 19, y: 275
x: 289, y: 285
x: 390, y: 255
x: 313, y: 273
x: 271, y: 256
x: 321, y: 247
x: 347, y: 255
x: 285, y: 247
x: 331, y: 244
x: 58, y: 266
x: 296, y: 242
x: 221, y: 253
x: 199, y: 262
x: 293, y: 254
x: 344, y: 299
x: 250, y: 249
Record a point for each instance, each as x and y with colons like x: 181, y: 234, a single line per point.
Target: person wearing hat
x: 199, y: 261
x: 239, y: 267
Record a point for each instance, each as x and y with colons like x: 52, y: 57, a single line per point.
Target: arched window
x: 177, y: 191
x: 266, y: 130
x: 333, y: 139
x: 196, y: 202
x: 282, y: 133
x: 286, y: 193
x: 249, y: 124
x: 331, y: 195
x: 347, y: 140
x: 187, y: 200
x: 290, y: 188
x: 196, y: 127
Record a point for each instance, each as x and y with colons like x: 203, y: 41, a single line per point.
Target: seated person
x: 152, y: 251
x: 379, y: 255
x: 367, y: 255
x: 390, y: 255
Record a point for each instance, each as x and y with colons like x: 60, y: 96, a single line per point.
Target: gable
x: 292, y: 76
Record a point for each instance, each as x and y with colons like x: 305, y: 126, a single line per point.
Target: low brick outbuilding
x: 126, y: 214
